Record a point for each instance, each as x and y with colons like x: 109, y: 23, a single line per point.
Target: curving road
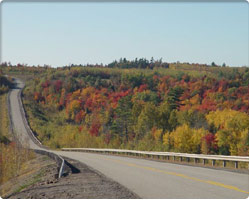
x: 149, y: 179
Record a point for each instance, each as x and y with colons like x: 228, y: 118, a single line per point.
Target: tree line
x: 162, y: 110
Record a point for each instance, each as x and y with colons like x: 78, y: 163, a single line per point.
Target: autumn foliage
x: 184, y: 108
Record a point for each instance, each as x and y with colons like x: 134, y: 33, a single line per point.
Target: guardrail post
x: 176, y: 157
x: 236, y: 164
x: 224, y: 163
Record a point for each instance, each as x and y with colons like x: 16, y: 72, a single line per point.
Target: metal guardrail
x: 59, y: 160
x: 26, y: 124
x: 167, y: 155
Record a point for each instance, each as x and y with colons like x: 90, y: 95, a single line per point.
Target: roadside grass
x: 45, y: 158
x: 35, y: 179
x: 4, y: 122
x: 12, y: 157
x: 33, y: 172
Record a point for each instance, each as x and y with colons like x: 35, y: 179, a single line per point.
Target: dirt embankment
x: 41, y: 182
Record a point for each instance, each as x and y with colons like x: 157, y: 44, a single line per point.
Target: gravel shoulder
x: 81, y: 183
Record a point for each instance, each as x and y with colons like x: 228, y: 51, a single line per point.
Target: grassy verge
x: 4, y: 122
x: 12, y: 157
x: 34, y: 180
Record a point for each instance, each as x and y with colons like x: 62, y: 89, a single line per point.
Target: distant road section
x: 17, y: 119
x: 149, y: 179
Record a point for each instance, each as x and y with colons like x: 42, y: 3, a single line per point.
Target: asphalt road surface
x: 17, y: 119
x: 150, y: 179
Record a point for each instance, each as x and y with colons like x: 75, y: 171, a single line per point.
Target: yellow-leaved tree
x: 185, y: 139
x: 232, y: 131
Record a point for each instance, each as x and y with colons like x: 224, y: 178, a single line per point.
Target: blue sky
x: 62, y: 33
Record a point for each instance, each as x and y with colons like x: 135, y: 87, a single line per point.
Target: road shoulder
x: 81, y: 183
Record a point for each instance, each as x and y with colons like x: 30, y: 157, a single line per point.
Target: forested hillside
x: 177, y: 107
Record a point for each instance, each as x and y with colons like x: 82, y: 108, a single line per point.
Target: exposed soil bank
x: 81, y: 183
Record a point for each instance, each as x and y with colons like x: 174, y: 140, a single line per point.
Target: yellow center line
x: 177, y: 174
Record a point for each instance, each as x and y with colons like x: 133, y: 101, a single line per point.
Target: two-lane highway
x: 150, y: 179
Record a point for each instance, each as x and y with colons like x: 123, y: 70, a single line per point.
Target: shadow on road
x: 73, y: 169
